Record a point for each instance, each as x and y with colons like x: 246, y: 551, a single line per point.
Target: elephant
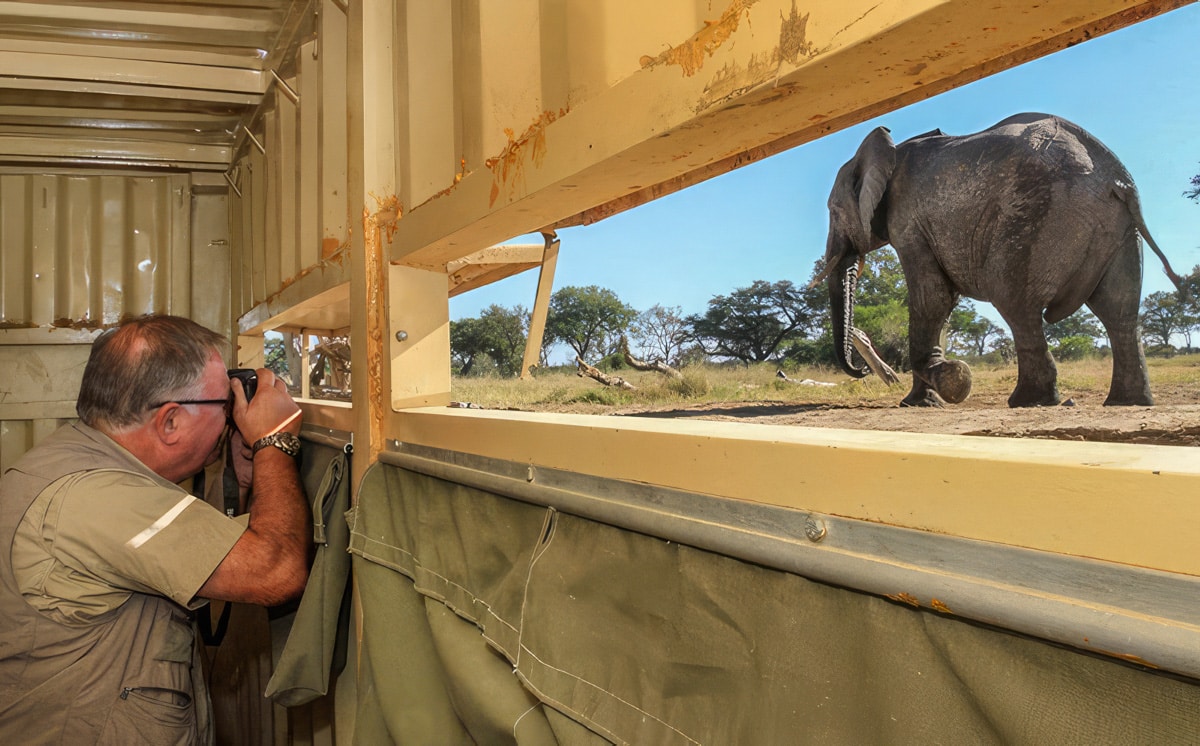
x: 1033, y: 215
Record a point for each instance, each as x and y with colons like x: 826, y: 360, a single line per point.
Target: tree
x: 1079, y: 324
x: 1190, y: 298
x: 498, y: 334
x: 882, y: 279
x: 588, y: 319
x: 660, y: 333
x: 275, y: 355
x: 1163, y: 316
x: 1075, y: 337
x: 968, y: 333
x: 752, y: 322
x: 1193, y: 192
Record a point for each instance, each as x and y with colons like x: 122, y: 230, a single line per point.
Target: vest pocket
x: 150, y: 715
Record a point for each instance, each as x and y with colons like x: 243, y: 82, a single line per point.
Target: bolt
x: 401, y: 336
x: 814, y: 529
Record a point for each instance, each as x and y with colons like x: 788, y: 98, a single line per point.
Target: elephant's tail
x: 1128, y: 194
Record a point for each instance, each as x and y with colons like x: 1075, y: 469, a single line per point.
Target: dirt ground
x: 1174, y: 420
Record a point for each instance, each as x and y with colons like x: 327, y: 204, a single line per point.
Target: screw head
x: 814, y: 529
x: 401, y: 336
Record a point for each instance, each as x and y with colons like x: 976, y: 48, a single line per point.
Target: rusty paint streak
x: 7, y: 324
x: 330, y: 246
x: 387, y: 215
x: 905, y: 598
x: 690, y: 54
x: 731, y: 81
x: 1128, y: 658
x: 374, y: 269
x: 508, y: 168
x: 77, y: 325
x: 337, y: 256
x: 458, y: 177
x: 793, y: 37
x: 939, y: 606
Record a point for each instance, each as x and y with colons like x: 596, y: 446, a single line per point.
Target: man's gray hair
x: 142, y: 361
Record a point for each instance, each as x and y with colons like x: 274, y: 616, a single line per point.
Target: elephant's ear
x: 876, y: 159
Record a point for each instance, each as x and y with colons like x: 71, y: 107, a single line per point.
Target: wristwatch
x: 285, y: 442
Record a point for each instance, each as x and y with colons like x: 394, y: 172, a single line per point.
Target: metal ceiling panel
x: 139, y: 83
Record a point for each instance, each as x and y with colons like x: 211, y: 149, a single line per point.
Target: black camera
x: 249, y: 379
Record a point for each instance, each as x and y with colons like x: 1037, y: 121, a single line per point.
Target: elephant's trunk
x: 843, y: 283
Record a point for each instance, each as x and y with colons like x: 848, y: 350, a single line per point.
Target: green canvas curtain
x: 314, y: 636
x: 487, y: 620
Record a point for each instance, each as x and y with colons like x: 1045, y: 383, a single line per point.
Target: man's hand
x: 271, y: 405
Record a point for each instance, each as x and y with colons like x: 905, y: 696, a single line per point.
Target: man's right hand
x: 271, y: 405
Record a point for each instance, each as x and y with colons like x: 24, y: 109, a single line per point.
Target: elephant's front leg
x: 935, y: 379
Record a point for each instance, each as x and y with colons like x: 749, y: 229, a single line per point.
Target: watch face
x: 288, y: 443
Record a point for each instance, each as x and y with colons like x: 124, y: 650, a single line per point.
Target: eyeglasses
x: 222, y: 402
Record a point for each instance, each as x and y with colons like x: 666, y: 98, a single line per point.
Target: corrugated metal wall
x: 80, y: 250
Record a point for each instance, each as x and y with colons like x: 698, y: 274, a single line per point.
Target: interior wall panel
x: 291, y: 217
x: 81, y: 250
x: 335, y: 205
x: 308, y: 239
x: 15, y: 197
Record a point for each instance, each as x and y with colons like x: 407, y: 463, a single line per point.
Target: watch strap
x: 285, y: 442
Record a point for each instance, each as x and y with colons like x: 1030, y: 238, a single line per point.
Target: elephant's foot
x: 1145, y: 400
x: 1131, y: 390
x: 951, y: 379
x: 939, y: 383
x: 1027, y: 397
x: 924, y: 398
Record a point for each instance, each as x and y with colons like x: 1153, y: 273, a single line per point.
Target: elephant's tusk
x: 862, y: 343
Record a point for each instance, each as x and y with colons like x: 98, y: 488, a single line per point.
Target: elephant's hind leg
x: 1037, y: 375
x: 1115, y: 303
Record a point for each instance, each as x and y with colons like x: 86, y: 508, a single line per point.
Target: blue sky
x: 1135, y: 89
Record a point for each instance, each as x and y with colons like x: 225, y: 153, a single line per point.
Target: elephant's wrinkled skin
x: 1033, y: 215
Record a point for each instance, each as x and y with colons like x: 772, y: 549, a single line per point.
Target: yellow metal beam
x: 1136, y: 505
x: 491, y: 265
x: 541, y: 307
x: 617, y: 127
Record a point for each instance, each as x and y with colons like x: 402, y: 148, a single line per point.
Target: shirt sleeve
x: 139, y: 535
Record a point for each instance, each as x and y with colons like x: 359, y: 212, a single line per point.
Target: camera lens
x: 249, y: 379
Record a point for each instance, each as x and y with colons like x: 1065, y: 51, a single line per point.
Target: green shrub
x: 1160, y: 351
x: 1075, y: 348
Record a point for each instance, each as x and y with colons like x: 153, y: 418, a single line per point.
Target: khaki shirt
x: 91, y: 540
x: 107, y: 557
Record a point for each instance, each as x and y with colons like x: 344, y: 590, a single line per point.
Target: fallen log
x: 657, y: 366
x: 862, y: 343
x: 803, y: 381
x: 602, y: 377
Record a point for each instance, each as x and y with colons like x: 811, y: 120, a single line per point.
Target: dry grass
x: 563, y: 391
